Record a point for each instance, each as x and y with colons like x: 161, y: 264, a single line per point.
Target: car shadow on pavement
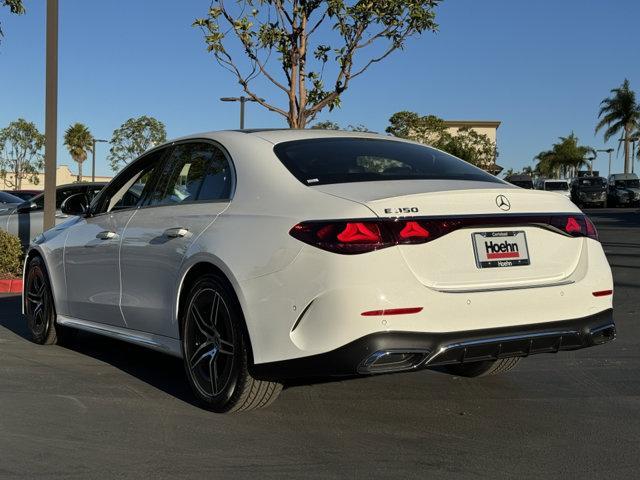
x: 161, y: 371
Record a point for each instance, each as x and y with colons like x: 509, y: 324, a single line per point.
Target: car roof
x: 279, y: 135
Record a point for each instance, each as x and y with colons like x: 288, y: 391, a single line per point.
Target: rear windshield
x: 591, y: 182
x: 523, y: 184
x: 344, y: 160
x: 632, y: 183
x: 556, y: 186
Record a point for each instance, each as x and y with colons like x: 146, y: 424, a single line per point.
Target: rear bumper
x: 387, y: 352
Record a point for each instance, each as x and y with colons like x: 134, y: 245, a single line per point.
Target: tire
x: 39, y: 307
x: 482, y: 369
x: 216, y: 351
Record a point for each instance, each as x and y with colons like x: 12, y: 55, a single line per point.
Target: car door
x: 196, y: 187
x: 91, y: 256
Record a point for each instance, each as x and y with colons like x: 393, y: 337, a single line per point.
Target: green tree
x: 329, y: 125
x: 15, y: 6
x: 620, y: 113
x: 424, y: 129
x: 133, y: 138
x: 564, y: 158
x: 361, y: 33
x: 471, y: 146
x: 467, y: 144
x: 79, y: 142
x: 20, y: 153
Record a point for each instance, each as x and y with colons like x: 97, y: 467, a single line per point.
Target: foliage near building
x: 467, y: 144
x: 133, y: 138
x: 20, y: 153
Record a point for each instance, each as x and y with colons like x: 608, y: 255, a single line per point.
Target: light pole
x: 93, y: 158
x: 51, y: 116
x: 242, y: 99
x: 633, y: 141
x: 609, y: 151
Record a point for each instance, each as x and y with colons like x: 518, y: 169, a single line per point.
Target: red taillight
x: 572, y: 225
x: 361, y: 236
x: 575, y: 225
x: 414, y: 230
x: 359, y: 232
x: 345, y: 237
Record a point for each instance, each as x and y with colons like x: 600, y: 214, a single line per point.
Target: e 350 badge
x: 401, y: 210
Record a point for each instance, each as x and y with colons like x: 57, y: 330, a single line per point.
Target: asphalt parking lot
x: 99, y: 408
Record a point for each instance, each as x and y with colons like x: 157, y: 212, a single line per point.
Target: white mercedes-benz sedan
x: 262, y: 255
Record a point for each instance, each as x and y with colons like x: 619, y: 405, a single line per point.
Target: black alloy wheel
x: 215, y: 350
x: 38, y: 303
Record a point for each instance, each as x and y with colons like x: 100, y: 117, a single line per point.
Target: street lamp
x: 93, y: 158
x: 609, y: 151
x: 242, y: 99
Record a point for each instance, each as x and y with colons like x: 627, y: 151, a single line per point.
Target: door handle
x: 106, y: 235
x: 177, y: 232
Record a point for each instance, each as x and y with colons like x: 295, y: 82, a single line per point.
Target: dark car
x: 589, y: 191
x: 522, y: 181
x: 24, y: 194
x: 25, y: 219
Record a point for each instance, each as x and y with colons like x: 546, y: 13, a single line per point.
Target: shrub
x: 10, y: 255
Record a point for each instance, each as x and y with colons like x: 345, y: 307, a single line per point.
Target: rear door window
x: 194, y: 172
x: 342, y: 160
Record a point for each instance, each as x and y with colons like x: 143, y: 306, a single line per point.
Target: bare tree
x: 360, y: 34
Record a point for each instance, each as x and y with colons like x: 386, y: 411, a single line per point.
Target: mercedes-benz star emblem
x: 503, y: 203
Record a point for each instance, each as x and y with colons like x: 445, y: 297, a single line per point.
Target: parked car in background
x: 261, y: 255
x: 522, y: 181
x: 25, y: 218
x: 624, y: 190
x: 587, y: 191
x: 24, y: 194
x: 555, y: 186
x: 8, y: 202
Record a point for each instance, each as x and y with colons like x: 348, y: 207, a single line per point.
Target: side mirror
x: 77, y: 204
x: 27, y: 207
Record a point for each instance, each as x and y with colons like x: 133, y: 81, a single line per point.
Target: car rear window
x: 344, y: 160
x: 556, y: 186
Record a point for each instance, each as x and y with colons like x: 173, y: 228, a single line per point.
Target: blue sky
x: 539, y: 67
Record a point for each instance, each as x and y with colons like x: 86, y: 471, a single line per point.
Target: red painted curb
x: 12, y: 285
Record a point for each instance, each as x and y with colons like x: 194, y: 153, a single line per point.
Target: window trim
x: 169, y: 147
x: 227, y: 156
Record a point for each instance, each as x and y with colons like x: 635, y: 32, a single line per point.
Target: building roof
x: 473, y: 123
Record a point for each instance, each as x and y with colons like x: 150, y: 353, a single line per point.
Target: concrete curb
x: 12, y: 285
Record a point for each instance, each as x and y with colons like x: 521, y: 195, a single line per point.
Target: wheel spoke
x: 226, y: 347
x: 199, y: 321
x: 202, y: 352
x: 213, y: 375
x: 213, y: 318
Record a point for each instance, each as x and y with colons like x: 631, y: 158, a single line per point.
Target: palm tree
x: 79, y: 142
x: 564, y: 158
x: 620, y: 113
